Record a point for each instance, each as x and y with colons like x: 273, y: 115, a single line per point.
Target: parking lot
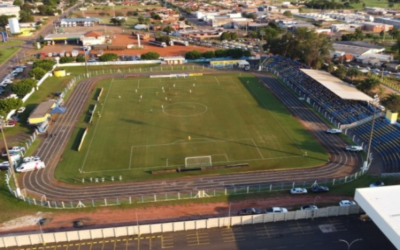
x: 299, y: 234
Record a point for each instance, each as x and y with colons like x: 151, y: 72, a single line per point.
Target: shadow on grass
x: 96, y: 94
x: 88, y: 114
x: 78, y: 138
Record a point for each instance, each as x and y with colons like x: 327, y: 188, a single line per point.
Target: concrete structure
x: 382, y: 205
x: 357, y: 48
x: 388, y: 20
x: 14, y: 26
x: 9, y: 10
x: 376, y: 27
x: 173, y: 60
x: 92, y: 38
x: 41, y: 112
x: 345, y: 27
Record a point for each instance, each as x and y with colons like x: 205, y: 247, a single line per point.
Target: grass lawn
x: 7, y: 53
x: 11, y: 43
x: 226, y: 118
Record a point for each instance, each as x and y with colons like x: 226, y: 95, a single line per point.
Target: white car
x: 346, y: 203
x: 334, y: 131
x: 298, y: 190
x: 275, y: 210
x: 309, y: 207
x: 31, y: 158
x: 21, y: 110
x: 354, y: 148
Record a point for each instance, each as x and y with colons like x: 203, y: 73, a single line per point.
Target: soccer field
x: 144, y: 124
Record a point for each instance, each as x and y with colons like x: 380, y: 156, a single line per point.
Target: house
x: 93, y: 38
x: 9, y: 10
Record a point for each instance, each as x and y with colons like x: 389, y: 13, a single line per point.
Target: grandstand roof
x: 337, y: 86
x: 381, y: 206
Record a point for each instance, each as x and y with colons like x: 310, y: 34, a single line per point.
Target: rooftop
x: 42, y: 109
x: 383, y: 207
x: 337, y: 86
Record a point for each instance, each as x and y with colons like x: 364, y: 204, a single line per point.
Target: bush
x: 165, y: 39
x: 108, y: 57
x: 6, y: 105
x: 66, y: 59
x: 288, y: 13
x: 47, y: 65
x: 235, y: 53
x: 37, y: 73
x: 221, y: 53
x: 192, y: 55
x: 80, y: 58
x: 24, y: 87
x: 209, y: 54
x: 150, y: 56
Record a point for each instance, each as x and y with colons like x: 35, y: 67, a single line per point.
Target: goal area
x: 198, y: 161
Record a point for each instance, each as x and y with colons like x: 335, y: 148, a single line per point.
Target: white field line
x: 217, y: 81
x: 138, y: 84
x: 258, y: 149
x: 178, y: 142
x: 95, y: 128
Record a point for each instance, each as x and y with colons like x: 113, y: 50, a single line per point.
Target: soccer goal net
x: 198, y: 161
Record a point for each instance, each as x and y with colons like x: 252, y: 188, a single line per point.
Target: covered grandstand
x: 344, y: 106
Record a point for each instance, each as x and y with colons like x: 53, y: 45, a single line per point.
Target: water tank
x: 14, y: 25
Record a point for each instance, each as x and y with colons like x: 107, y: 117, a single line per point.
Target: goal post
x: 198, y: 161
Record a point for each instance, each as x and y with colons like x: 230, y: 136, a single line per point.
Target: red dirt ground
x: 124, y: 39
x: 155, y: 213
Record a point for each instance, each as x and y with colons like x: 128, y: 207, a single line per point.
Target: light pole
x: 229, y: 215
x: 11, y: 166
x: 316, y: 199
x: 349, y: 244
x: 374, y: 103
x: 41, y: 231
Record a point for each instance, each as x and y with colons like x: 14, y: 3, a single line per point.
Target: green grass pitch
x: 154, y: 123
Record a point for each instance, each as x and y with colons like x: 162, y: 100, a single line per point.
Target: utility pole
x: 11, y: 165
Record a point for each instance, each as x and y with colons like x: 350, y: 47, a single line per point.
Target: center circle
x: 185, y: 109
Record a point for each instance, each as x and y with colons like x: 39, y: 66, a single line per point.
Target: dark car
x: 248, y: 211
x: 377, y: 184
x: 319, y: 189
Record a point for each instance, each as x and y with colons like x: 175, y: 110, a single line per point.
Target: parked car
x: 309, y: 207
x: 354, y: 148
x: 31, y: 158
x: 298, y: 190
x: 346, y: 203
x: 21, y: 110
x: 334, y: 131
x: 274, y: 210
x: 319, y: 189
x: 377, y: 184
x: 4, y: 165
x: 248, y: 211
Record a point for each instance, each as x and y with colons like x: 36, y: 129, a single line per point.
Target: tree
x: 4, y: 20
x: 150, y: 56
x: 25, y: 16
x: 45, y: 64
x: 80, y: 58
x: 140, y: 20
x: 117, y: 21
x: 235, y: 53
x: 24, y: 87
x: 246, y: 53
x: 6, y: 105
x: 395, y: 33
x: 353, y: 73
x: 37, y: 73
x: 369, y: 84
x: 108, y: 57
x: 341, y: 71
x: 155, y: 16
x: 17, y: 3
x: 221, y: 53
x: 392, y: 102
x: 66, y: 59
x: 193, y: 55
x: 165, y: 39
x: 288, y: 13
x: 208, y: 54
x: 168, y: 29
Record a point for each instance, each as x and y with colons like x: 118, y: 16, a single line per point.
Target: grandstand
x: 344, y: 103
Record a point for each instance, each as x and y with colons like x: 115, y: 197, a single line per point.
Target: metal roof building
x: 80, y: 20
x: 382, y: 205
x: 337, y: 86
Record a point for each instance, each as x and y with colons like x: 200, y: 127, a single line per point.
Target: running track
x: 43, y: 182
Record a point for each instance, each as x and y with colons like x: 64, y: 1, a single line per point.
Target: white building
x: 9, y: 10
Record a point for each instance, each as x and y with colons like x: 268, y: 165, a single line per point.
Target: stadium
x: 136, y: 124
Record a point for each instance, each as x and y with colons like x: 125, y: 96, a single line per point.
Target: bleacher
x: 344, y: 111
x: 386, y: 141
x: 386, y: 138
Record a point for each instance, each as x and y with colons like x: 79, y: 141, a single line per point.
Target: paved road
x: 43, y: 182
x: 318, y: 234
